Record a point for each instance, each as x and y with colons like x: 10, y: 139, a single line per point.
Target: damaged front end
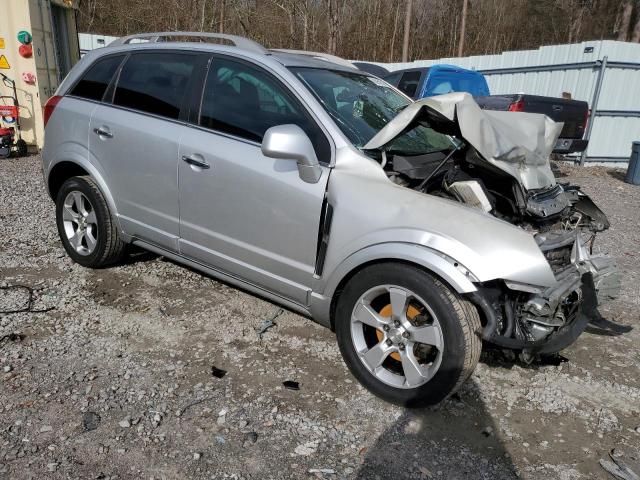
x: 546, y: 320
x: 499, y: 163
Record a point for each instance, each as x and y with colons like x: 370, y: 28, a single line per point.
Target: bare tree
x: 395, y: 30
x: 332, y: 19
x: 627, y: 10
x: 221, y: 22
x: 407, y: 28
x: 635, y: 35
x: 371, y: 29
x: 463, y: 27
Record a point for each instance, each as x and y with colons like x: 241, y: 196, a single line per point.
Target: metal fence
x: 604, y: 73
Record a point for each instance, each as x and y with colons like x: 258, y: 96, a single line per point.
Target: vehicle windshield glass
x: 361, y: 105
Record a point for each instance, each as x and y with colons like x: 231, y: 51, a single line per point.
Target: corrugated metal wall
x: 553, y: 70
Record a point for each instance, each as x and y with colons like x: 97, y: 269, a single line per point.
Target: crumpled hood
x: 518, y: 143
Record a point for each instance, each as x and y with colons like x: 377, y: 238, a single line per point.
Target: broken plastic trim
x: 489, y: 314
x: 566, y: 336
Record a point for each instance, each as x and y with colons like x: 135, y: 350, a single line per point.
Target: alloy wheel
x: 80, y: 223
x: 397, y: 336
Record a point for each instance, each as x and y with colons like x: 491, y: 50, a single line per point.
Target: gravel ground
x: 109, y: 375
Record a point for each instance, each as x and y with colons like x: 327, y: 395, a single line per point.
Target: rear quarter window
x: 96, y: 79
x: 155, y: 83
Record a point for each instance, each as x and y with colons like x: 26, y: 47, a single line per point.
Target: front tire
x: 406, y: 336
x: 85, y: 225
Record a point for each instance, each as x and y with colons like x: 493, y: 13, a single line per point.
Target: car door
x: 241, y: 212
x: 135, y: 139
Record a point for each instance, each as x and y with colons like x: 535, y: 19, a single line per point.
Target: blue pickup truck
x: 440, y: 79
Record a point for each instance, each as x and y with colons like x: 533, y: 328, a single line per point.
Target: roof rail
x: 319, y: 55
x: 240, y: 42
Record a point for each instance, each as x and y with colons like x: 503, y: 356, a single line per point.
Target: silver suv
x: 415, y: 230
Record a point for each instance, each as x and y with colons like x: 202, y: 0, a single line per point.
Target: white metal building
x: 91, y: 41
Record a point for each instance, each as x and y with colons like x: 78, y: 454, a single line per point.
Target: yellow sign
x: 2, y: 43
x: 4, y: 63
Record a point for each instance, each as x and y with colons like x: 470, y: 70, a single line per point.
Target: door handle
x: 103, y: 133
x: 195, y: 162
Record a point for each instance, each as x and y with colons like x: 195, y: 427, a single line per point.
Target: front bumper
x: 604, y: 272
x: 606, y: 278
x: 584, y: 283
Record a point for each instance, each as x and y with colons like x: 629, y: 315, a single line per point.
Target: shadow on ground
x: 456, y: 440
x: 617, y: 174
x: 136, y: 255
x: 608, y: 328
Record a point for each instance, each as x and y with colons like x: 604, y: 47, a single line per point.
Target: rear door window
x: 155, y: 83
x: 95, y: 81
x: 245, y: 101
x: 409, y: 83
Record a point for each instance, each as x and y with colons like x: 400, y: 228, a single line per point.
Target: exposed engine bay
x: 465, y: 177
x: 491, y: 171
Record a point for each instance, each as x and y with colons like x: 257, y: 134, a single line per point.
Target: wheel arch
x: 60, y: 173
x: 446, y: 269
x: 63, y: 169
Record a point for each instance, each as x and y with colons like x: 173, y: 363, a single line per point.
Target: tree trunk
x: 393, y: 35
x: 407, y: 27
x: 635, y: 35
x: 305, y: 31
x: 332, y: 17
x: 627, y: 10
x: 463, y: 27
x: 221, y: 27
x: 204, y: 6
x: 576, y: 25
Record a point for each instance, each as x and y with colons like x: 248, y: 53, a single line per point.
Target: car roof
x: 239, y: 45
x: 240, y: 48
x: 444, y: 67
x: 289, y: 59
x: 372, y: 68
x: 453, y: 68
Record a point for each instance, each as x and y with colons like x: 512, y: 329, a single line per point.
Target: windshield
x: 362, y: 105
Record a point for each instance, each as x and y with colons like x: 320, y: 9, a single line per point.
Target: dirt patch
x: 129, y: 351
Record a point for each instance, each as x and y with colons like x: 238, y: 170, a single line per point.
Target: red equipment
x: 10, y: 114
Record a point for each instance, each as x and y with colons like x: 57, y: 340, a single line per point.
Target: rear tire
x: 85, y: 224
x: 433, y: 344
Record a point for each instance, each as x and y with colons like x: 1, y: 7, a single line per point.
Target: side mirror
x: 289, y: 142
